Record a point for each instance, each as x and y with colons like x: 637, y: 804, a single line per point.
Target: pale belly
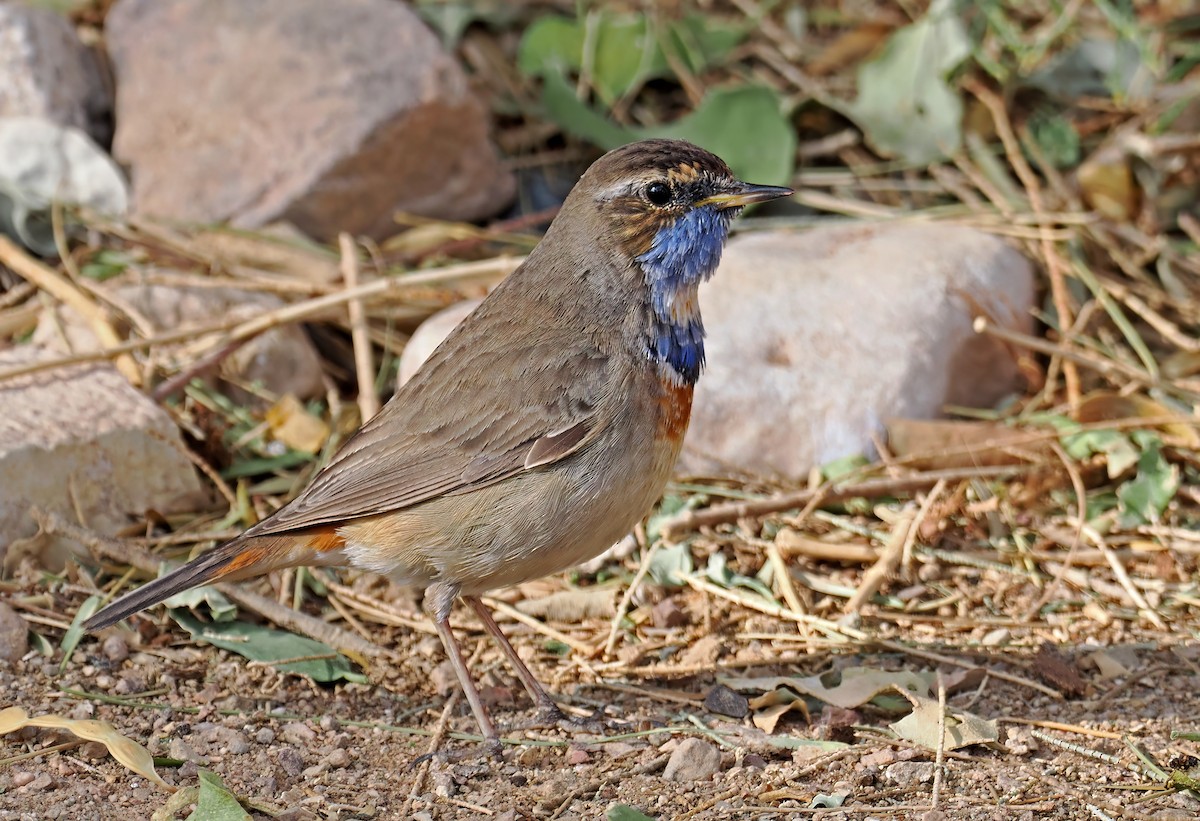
x: 534, y: 524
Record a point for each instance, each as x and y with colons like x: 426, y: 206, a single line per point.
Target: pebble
x: 290, y: 761
x: 298, y: 733
x: 908, y: 773
x: 115, y: 648
x: 180, y: 749
x: 879, y: 758
x: 93, y: 751
x: 238, y: 744
x: 265, y: 736
x: 42, y: 782
x: 668, y: 614
x: 724, y: 701
x: 693, y: 760
x: 577, y: 756
x: 23, y: 777
x: 339, y: 758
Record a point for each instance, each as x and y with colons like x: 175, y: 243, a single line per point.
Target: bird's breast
x: 674, y: 408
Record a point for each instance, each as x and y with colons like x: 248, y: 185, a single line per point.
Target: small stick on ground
x: 939, y: 764
x: 364, y: 367
x: 615, y: 626
x: 65, y: 291
x: 886, y: 564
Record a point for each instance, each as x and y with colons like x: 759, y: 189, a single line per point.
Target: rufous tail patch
x: 325, y: 540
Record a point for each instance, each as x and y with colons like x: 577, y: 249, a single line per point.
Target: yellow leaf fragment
x: 128, y: 752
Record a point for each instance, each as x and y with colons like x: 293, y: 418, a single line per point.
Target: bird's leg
x: 439, y: 598
x: 548, y: 710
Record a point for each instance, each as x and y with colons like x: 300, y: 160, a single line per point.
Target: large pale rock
x: 283, y: 360
x: 816, y: 338
x: 331, y: 116
x: 80, y: 441
x: 45, y: 71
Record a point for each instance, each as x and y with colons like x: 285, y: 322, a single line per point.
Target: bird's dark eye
x: 659, y: 193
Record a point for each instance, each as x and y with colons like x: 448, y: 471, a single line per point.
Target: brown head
x: 660, y: 210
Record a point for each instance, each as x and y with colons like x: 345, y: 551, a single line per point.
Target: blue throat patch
x: 682, y: 255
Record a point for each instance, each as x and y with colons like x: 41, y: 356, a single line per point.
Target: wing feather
x: 482, y: 409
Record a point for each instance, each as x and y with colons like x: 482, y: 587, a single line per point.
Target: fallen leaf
x: 215, y: 802
x: 848, y: 688
x: 128, y: 752
x: 288, y: 652
x: 1104, y: 406
x: 962, y: 728
x: 905, y: 107
x: 781, y: 702
x: 571, y: 605
x: 294, y: 426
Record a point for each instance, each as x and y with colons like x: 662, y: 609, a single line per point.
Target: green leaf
x: 624, y: 812
x: 575, y: 117
x: 74, y: 633
x: 260, y: 643
x: 669, y: 565
x: 620, y: 52
x: 106, y: 264
x: 671, y: 504
x: 830, y: 801
x: 841, y: 468
x: 221, y: 608
x: 1144, y: 499
x: 450, y: 18
x: 1057, y: 138
x: 216, y: 802
x: 905, y: 107
x: 745, y: 126
x: 718, y: 572
x: 1117, y: 448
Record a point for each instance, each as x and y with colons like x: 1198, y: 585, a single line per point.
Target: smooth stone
x: 80, y: 441
x: 330, y: 116
x: 816, y: 338
x: 47, y: 72
x: 693, y: 760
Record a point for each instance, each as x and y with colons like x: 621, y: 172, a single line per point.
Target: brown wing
x: 483, y: 408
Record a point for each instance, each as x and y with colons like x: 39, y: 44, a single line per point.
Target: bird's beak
x: 743, y: 193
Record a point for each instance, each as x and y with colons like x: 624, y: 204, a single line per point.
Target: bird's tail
x: 242, y: 558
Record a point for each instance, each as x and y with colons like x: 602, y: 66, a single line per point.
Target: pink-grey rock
x: 82, y: 442
x: 816, y: 338
x: 14, y: 634
x: 45, y: 71
x: 330, y: 116
x: 283, y: 360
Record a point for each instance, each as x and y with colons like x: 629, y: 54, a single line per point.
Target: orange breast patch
x: 675, y: 409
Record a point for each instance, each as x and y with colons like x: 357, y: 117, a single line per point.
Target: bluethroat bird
x: 541, y: 430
